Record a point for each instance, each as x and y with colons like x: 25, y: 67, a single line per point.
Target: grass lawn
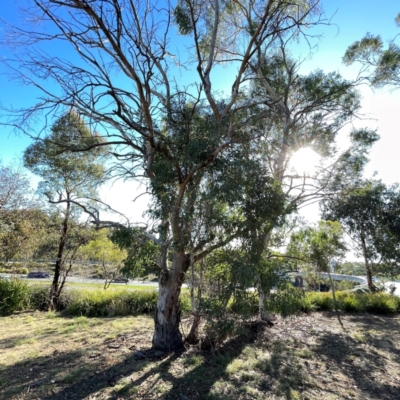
x: 315, y: 356
x: 83, y: 285
x: 93, y: 285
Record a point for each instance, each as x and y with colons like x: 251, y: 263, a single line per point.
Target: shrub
x: 307, y: 304
x: 4, y: 267
x: 110, y: 303
x: 382, y: 303
x: 350, y: 302
x: 185, y: 303
x: 321, y: 301
x: 39, y: 296
x: 345, y: 285
x: 14, y: 296
x: 20, y: 270
x: 287, y: 300
x: 245, y: 305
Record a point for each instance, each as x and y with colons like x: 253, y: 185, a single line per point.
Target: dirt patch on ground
x: 315, y: 356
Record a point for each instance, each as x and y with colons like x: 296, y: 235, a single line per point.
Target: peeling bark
x: 167, y: 335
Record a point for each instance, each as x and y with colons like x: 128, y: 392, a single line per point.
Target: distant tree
x: 20, y: 219
x: 22, y: 232
x: 102, y: 250
x: 319, y: 246
x: 70, y: 181
x: 14, y: 189
x: 369, y: 214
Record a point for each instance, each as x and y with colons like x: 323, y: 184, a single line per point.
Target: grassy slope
x: 314, y: 356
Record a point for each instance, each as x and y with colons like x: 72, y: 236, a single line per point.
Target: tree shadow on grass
x: 380, y: 332
x: 362, y: 364
x: 199, y: 381
x: 91, y: 380
x: 68, y: 374
x: 212, y: 376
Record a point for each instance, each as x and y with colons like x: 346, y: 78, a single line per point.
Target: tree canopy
x: 368, y: 213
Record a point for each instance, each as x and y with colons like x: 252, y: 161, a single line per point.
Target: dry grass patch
x: 314, y: 356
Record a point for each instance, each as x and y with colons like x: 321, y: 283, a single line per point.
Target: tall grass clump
x: 321, y: 301
x: 380, y: 303
x: 351, y: 302
x: 39, y: 298
x: 110, y: 303
x: 14, y: 296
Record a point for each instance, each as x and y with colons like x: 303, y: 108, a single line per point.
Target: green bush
x: 322, y: 301
x: 39, y: 296
x: 349, y: 302
x: 185, y: 303
x: 307, y: 304
x: 14, y: 296
x: 345, y: 285
x: 382, y: 303
x: 286, y: 300
x: 245, y: 305
x: 21, y: 270
x: 4, y: 267
x: 109, y: 303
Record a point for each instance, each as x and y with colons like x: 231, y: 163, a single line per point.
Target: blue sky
x: 351, y: 19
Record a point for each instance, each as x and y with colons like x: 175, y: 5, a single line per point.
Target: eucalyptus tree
x: 367, y: 213
x: 14, y: 188
x: 128, y: 81
x: 20, y: 215
x: 379, y: 65
x: 311, y: 110
x: 308, y: 112
x: 110, y: 257
x: 69, y: 181
x: 319, y: 247
x: 22, y: 233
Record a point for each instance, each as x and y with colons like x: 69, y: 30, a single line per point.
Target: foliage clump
x: 14, y: 296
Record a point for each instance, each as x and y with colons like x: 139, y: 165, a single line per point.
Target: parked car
x: 120, y: 279
x: 38, y: 275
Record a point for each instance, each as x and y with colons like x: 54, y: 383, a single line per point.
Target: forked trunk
x: 167, y: 336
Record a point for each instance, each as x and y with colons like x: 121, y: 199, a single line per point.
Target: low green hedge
x: 17, y: 295
x: 381, y: 303
x: 109, y: 303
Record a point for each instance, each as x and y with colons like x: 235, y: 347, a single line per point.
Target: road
x: 363, y: 280
x: 100, y: 282
x: 338, y: 277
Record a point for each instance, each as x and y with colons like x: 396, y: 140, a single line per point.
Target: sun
x: 305, y: 161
